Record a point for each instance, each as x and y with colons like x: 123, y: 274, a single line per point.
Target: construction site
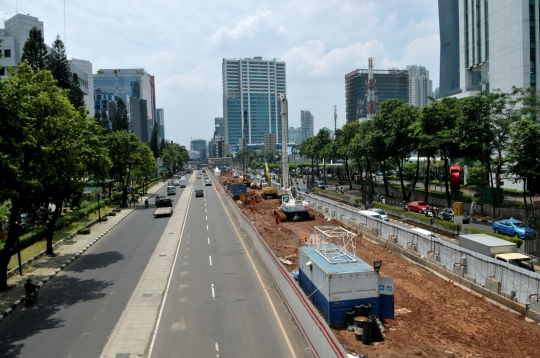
x: 434, y: 317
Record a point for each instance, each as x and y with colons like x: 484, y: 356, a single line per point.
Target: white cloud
x: 205, y: 75
x: 249, y: 27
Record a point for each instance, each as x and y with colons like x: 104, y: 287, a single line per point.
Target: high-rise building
x: 251, y: 102
x: 140, y: 121
x: 219, y: 127
x: 14, y: 35
x: 498, y: 45
x: 137, y: 83
x: 199, y: 145
x: 449, y: 59
x: 12, y: 39
x: 269, y: 143
x: 160, y: 122
x: 83, y: 69
x: 389, y: 84
x: 420, y: 86
x: 307, y: 123
x: 295, y: 135
x: 105, y: 106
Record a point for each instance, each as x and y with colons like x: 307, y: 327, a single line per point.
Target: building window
x: 7, y: 53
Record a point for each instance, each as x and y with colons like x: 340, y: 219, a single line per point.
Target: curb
x: 40, y: 284
x: 483, y: 220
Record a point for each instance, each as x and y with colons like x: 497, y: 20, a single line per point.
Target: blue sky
x: 183, y: 43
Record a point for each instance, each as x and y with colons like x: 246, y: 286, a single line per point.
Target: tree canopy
x: 34, y: 50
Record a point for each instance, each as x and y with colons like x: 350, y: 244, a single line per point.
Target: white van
x: 371, y: 214
x: 182, y: 182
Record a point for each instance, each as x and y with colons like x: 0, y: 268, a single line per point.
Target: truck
x: 237, y: 189
x: 496, y: 248
x: 163, y: 207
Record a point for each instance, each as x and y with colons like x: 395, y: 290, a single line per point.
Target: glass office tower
x: 449, y: 61
x: 251, y: 103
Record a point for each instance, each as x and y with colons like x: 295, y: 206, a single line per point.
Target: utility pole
x: 284, y: 156
x: 244, y: 146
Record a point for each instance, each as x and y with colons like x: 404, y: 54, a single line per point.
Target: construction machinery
x: 269, y: 191
x: 293, y: 206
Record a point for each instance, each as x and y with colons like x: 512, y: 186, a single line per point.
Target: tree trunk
x: 446, y: 175
x: 493, y: 192
x: 416, y: 174
x: 426, y: 179
x: 347, y: 172
x: 9, y: 245
x: 324, y: 170
x: 400, y: 170
x: 369, y: 180
x: 51, y: 223
x: 362, y: 186
x: 312, y: 174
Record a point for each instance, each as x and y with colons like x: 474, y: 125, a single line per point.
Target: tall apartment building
x: 498, y: 45
x: 307, y: 123
x: 251, y: 88
x: 138, y: 85
x: 389, y: 84
x: 160, y: 121
x: 449, y: 59
x: 420, y: 86
x: 219, y: 128
x: 269, y: 143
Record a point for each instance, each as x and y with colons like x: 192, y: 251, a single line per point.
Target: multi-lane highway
x: 218, y: 300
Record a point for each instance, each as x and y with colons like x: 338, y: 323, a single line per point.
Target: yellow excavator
x: 269, y: 191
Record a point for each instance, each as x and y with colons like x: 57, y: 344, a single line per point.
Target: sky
x: 183, y: 44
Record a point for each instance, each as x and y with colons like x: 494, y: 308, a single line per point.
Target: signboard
x: 458, y: 213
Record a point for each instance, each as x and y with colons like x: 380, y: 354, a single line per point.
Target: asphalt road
x: 218, y: 301
x: 77, y: 310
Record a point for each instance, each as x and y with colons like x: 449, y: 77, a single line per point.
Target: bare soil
x: 434, y: 317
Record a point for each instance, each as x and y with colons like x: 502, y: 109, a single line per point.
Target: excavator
x: 269, y: 191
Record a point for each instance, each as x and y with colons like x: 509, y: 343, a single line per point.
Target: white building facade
x: 420, y: 86
x: 498, y: 45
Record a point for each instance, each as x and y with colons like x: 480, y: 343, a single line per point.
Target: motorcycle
x: 30, y: 298
x: 146, y: 204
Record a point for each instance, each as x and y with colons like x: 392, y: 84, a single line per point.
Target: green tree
x: 344, y: 138
x: 126, y: 152
x: 322, y: 139
x: 120, y: 121
x: 161, y: 146
x: 35, y: 114
x: 307, y: 149
x: 76, y: 95
x: 34, y: 50
x: 154, y: 142
x: 58, y: 64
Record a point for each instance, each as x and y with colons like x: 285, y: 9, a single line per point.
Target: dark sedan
x: 199, y: 192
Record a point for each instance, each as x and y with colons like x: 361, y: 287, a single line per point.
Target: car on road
x: 158, y: 198
x: 199, y: 192
x: 320, y: 184
x: 447, y: 214
x: 513, y: 227
x: 176, y: 182
x: 199, y: 176
x: 381, y: 212
x: 207, y: 182
x: 171, y: 190
x: 419, y: 206
x: 303, y: 190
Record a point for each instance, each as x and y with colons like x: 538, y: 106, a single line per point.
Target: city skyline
x: 326, y: 44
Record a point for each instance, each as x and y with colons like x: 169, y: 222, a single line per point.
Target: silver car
x: 381, y: 213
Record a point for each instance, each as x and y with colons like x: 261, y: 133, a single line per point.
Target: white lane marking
x: 169, y: 281
x: 206, y: 217
x: 206, y: 227
x: 210, y: 258
x: 213, y: 293
x: 205, y: 211
x: 293, y: 354
x: 217, y: 350
x: 208, y: 241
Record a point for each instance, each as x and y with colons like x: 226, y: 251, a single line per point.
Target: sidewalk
x: 45, y: 268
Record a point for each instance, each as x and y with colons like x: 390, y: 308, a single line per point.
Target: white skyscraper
x: 419, y: 86
x: 306, y: 123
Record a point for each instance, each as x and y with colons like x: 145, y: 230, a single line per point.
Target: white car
x: 381, y: 213
x: 171, y: 190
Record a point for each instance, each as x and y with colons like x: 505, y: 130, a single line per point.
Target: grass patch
x: 40, y: 245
